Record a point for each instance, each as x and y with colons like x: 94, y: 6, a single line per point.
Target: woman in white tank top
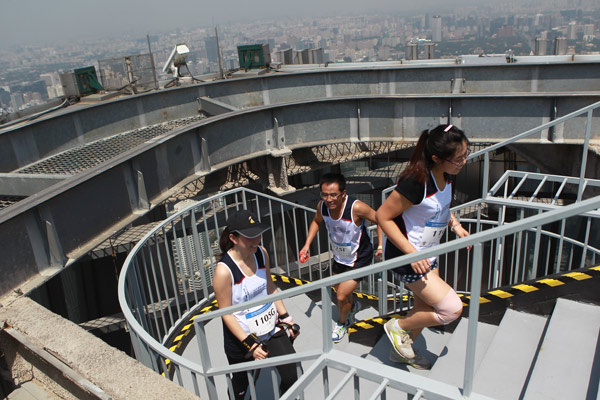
x: 414, y: 217
x: 242, y: 275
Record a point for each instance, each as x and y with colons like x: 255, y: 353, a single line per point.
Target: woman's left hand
x: 461, y: 233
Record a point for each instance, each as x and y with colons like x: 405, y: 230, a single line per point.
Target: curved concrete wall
x: 21, y: 145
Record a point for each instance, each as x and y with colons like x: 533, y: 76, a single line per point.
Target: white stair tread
x: 563, y: 366
x: 509, y: 356
x: 450, y: 366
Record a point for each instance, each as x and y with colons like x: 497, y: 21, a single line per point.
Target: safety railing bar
x: 399, y: 379
x: 560, y: 246
x: 200, y: 256
x: 559, y: 192
x: 229, y: 386
x: 517, y: 187
x: 156, y: 285
x: 539, y: 187
x: 187, y: 256
x: 195, y: 384
x: 485, y: 192
x: 273, y: 240
x: 297, y: 248
x: 534, y: 206
x: 418, y: 395
x: 179, y: 268
x: 172, y: 271
x: 547, y: 263
x: 585, y: 243
x: 536, y: 176
x: 536, y: 250
x: 251, y: 384
x: 305, y: 355
x: 584, y: 151
x: 284, y: 228
x: 345, y: 379
x: 274, y: 384
x: 473, y: 319
x: 380, y: 389
x: 152, y: 303
x: 325, y: 378
x: 162, y: 276
x: 310, y: 374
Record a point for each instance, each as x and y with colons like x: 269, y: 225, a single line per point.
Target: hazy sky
x: 43, y: 21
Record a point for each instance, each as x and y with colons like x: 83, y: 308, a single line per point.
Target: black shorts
x: 338, y: 268
x: 406, y: 274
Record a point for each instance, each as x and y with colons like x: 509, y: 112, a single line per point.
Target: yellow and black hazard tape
x: 534, y: 285
x: 287, y: 282
x: 495, y: 302
x: 182, y: 337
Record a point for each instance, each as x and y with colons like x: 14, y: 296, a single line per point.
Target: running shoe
x: 339, y: 331
x: 400, y: 338
x: 352, y: 315
x: 419, y: 362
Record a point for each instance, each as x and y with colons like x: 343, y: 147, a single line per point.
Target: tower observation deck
x: 88, y: 182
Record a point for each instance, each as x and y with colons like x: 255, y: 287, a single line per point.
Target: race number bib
x: 262, y: 320
x: 342, y: 250
x: 432, y: 234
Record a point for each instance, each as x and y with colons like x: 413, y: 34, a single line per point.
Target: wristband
x: 283, y: 316
x: 250, y: 341
x: 454, y: 226
x: 380, y: 247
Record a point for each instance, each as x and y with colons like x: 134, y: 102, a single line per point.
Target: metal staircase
x: 525, y: 356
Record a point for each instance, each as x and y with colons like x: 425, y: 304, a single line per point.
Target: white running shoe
x: 400, y: 338
x: 339, y: 331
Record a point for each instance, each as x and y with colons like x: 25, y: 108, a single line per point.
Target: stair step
x: 510, y: 355
x: 565, y: 363
x: 449, y: 367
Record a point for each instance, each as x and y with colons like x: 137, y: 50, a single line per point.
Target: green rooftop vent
x: 254, y: 56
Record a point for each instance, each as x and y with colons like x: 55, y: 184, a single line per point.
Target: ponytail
x: 442, y: 141
x: 225, y: 242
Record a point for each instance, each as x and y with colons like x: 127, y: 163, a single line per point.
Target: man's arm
x: 313, y: 229
x: 362, y: 211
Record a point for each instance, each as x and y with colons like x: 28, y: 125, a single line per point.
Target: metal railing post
x: 586, y: 143
x: 473, y: 317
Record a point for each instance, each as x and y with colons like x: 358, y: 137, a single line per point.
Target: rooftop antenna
x: 220, y: 56
x: 152, y: 62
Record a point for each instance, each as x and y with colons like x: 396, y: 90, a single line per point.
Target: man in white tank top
x: 344, y: 218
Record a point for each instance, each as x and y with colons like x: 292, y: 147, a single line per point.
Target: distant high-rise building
x: 560, y: 45
x: 212, y: 51
x: 540, y: 46
x: 588, y: 32
x: 436, y: 28
x: 316, y: 56
x: 572, y: 30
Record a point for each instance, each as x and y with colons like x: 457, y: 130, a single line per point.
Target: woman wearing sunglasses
x: 414, y: 217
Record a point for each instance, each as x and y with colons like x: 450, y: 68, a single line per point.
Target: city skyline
x: 38, y: 22
x: 30, y: 73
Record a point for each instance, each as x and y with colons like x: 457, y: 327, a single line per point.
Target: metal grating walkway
x: 83, y: 157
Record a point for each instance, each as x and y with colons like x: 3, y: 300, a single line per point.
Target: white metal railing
x: 156, y: 293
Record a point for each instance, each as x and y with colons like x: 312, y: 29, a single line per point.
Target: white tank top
x: 426, y: 222
x: 259, y: 320
x: 348, y: 241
